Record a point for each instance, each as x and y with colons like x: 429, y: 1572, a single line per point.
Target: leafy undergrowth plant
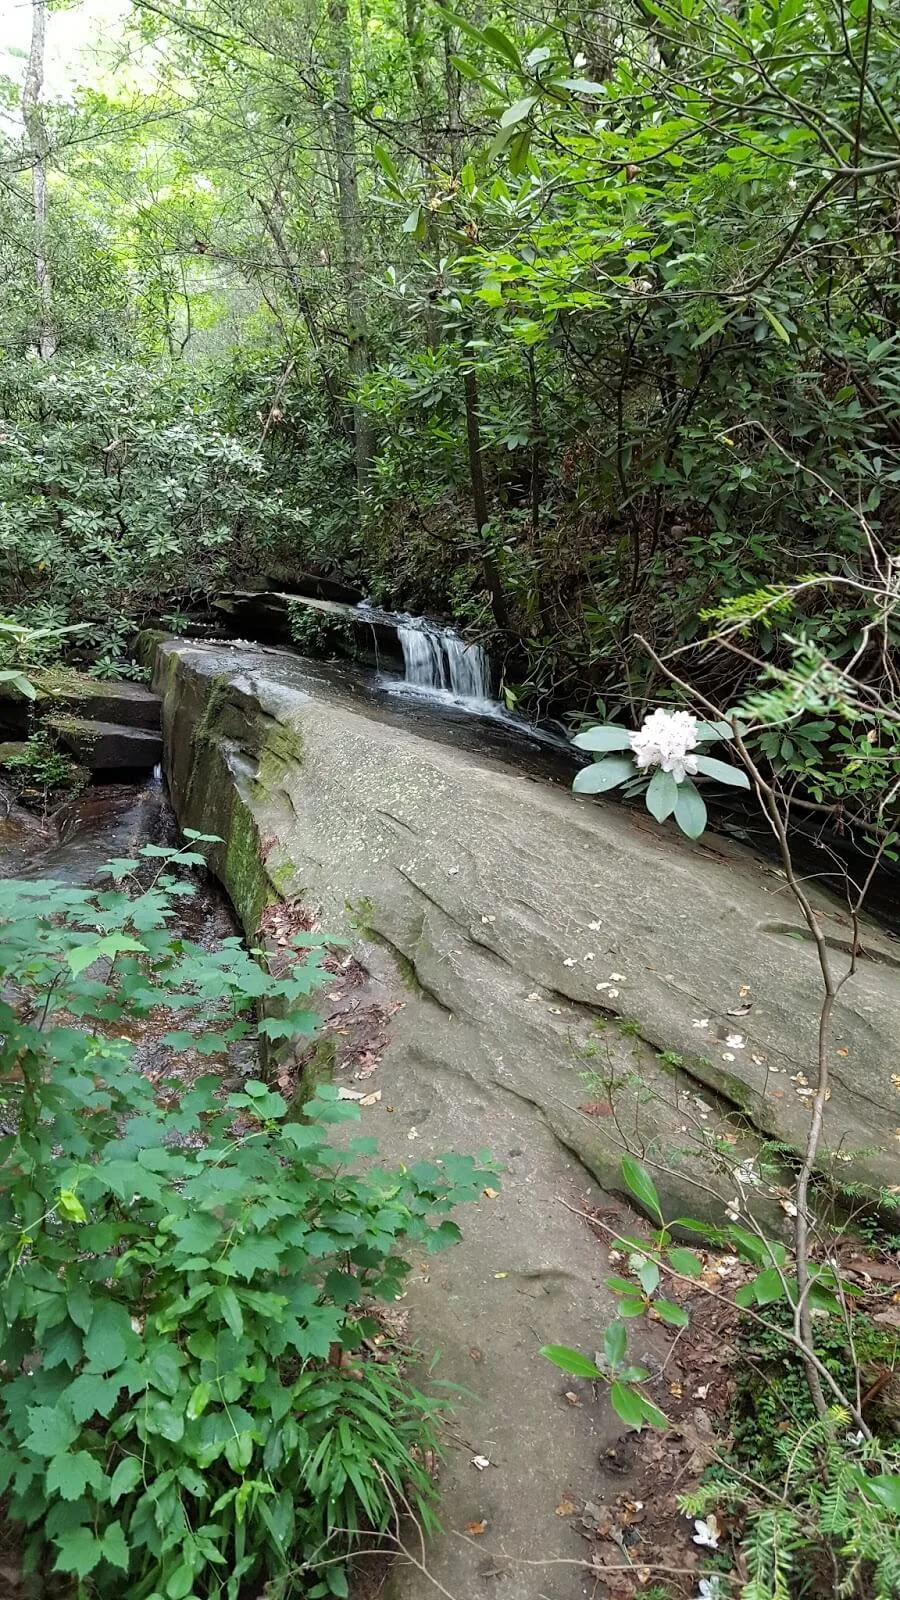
x: 817, y: 1494
x: 186, y: 1405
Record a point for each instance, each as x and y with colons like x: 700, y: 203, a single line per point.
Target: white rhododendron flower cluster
x: 666, y: 740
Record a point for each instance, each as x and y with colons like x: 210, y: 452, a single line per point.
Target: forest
x: 567, y: 327
x: 574, y: 331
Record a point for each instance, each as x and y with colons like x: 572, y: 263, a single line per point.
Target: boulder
x: 12, y: 748
x: 129, y: 705
x: 316, y: 584
x: 639, y: 989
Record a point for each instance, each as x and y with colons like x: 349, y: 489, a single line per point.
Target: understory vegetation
x: 189, y: 1400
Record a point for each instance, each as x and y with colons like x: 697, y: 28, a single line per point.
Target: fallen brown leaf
x: 566, y: 1508
x: 476, y: 1529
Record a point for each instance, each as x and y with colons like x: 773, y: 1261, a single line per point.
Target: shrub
x: 124, y: 473
x: 184, y: 1274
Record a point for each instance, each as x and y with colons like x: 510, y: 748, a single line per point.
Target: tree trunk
x: 414, y: 45
x: 454, y: 110
x: 479, y: 495
x: 38, y: 147
x: 350, y: 225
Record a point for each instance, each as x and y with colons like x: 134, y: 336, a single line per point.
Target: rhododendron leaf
x: 662, y: 795
x: 690, y: 810
x: 604, y: 775
x: 723, y: 772
x: 609, y: 737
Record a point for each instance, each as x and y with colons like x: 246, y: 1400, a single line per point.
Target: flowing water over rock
x: 438, y: 659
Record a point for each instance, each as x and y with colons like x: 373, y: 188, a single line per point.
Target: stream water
x: 111, y: 820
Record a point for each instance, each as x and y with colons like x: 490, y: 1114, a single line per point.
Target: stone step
x: 128, y: 705
x: 103, y: 746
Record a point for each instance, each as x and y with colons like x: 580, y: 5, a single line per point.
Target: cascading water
x: 438, y: 662
x: 437, y: 659
x: 440, y: 665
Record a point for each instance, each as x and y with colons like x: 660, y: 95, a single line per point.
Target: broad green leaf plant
x: 187, y: 1406
x: 659, y: 761
x: 841, y: 1480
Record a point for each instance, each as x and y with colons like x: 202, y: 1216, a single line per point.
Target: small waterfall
x: 438, y: 659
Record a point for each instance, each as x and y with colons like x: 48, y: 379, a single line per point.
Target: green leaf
x: 603, y: 775
x: 652, y: 1414
x: 296, y: 1022
x: 518, y: 111
x: 615, y: 1343
x: 110, y: 1340
x: 662, y: 795
x: 386, y: 162
x: 714, y: 730
x: 127, y: 1475
x: 80, y: 1306
x: 231, y: 1311
x: 572, y: 1361
x: 672, y: 1313
x: 69, y: 1475
x: 163, y: 1418
x: 254, y: 1254
x: 113, y: 944
x: 79, y: 1552
x: 886, y: 1489
x: 69, y: 1206
x: 52, y: 1429
x: 91, y: 1395
x: 502, y: 45
x: 180, y: 1583
x: 581, y: 86
x: 723, y: 772
x: 627, y: 1404
x: 608, y: 737
x: 499, y: 142
x: 641, y: 1185
x: 768, y: 1287
x: 632, y: 1307
x: 115, y: 1546
x: 685, y: 1261
x: 774, y: 323
x: 690, y: 810
x: 198, y: 1402
x: 648, y: 1276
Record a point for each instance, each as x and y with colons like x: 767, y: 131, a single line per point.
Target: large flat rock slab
x: 527, y: 1272
x: 534, y: 920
